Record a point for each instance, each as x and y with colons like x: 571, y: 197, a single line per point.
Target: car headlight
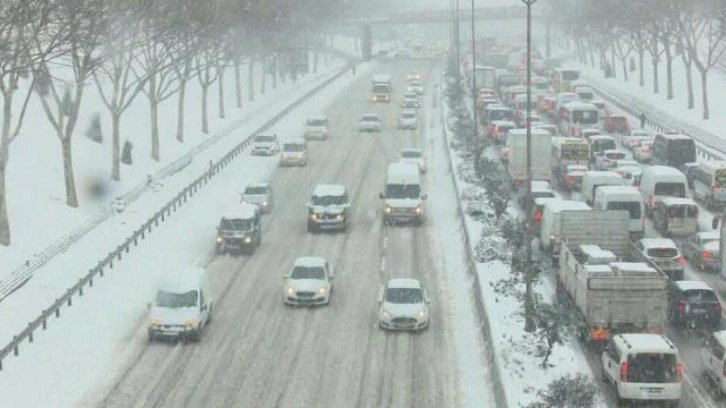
x: 323, y: 290
x: 248, y: 240
x: 264, y: 203
x: 314, y: 216
x: 388, y: 209
x: 190, y: 321
x: 220, y: 240
x: 418, y: 209
x: 422, y: 315
x: 339, y: 216
x: 290, y: 291
x: 386, y: 315
x: 153, y: 322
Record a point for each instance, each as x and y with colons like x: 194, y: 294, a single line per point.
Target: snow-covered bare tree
x: 29, y: 35
x: 61, y: 97
x: 123, y: 42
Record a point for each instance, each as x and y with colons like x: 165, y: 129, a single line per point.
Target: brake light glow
x: 714, y: 188
x: 705, y: 253
x: 681, y: 261
x: 624, y: 371
x: 681, y: 308
x: 679, y: 372
x: 723, y: 371
x: 717, y: 309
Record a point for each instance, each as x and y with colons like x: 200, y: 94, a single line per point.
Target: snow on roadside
x: 85, y: 346
x: 520, y: 369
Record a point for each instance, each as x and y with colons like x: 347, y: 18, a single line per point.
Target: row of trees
x: 612, y: 32
x: 53, y: 49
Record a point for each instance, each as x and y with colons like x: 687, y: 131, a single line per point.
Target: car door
x: 610, y: 365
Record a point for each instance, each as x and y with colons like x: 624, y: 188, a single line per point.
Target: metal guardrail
x: 708, y: 145
x: 23, y: 273
x: 107, y: 263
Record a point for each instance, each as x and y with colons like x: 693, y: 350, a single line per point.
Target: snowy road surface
x: 257, y: 352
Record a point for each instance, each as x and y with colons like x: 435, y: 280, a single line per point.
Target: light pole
x: 456, y: 43
x: 529, y: 322
x: 473, y: 78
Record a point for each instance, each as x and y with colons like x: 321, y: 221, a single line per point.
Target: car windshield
x: 410, y: 154
x: 264, y: 139
x: 308, y: 272
x: 683, y: 211
x: 317, y: 122
x: 404, y: 295
x: 176, y: 300
x: 380, y: 88
x: 256, y: 190
x: 293, y: 147
x: 235, y: 224
x: 325, y: 200
x: 408, y: 115
x: 651, y: 368
x: 700, y: 295
x: 632, y: 207
x: 403, y: 191
x: 601, y: 145
x: 670, y: 189
x: 585, y: 116
x: 369, y: 118
x: 663, y: 252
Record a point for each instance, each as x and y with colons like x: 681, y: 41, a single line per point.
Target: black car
x: 693, y: 304
x: 239, y: 230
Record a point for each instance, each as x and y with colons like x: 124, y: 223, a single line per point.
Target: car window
x: 235, y: 224
x: 655, y: 368
x: 175, y: 299
x: 293, y: 147
x: 325, y: 200
x: 308, y: 272
x: 257, y: 190
x: 404, y: 295
x: 700, y: 295
x: 663, y: 252
x: 410, y: 154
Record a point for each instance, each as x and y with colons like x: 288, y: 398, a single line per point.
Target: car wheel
x: 311, y: 227
x: 152, y: 337
x: 209, y: 315
x: 194, y: 336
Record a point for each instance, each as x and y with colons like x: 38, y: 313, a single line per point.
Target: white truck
x: 517, y: 155
x: 603, y: 277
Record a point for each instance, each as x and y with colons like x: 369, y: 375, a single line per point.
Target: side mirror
x: 424, y: 196
x: 714, y: 223
x: 203, y: 307
x: 331, y: 277
x: 284, y: 276
x: 148, y: 305
x: 381, y: 196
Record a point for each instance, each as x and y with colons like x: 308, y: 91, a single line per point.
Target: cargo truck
x: 605, y: 278
x: 517, y: 155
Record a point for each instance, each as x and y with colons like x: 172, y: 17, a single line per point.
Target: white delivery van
x: 549, y: 234
x: 624, y: 198
x: 402, y: 196
x: 661, y: 181
x: 593, y: 179
x: 644, y: 367
x: 182, y: 307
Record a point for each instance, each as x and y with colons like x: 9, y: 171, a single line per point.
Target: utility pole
x: 529, y: 322
x: 456, y: 43
x: 473, y: 80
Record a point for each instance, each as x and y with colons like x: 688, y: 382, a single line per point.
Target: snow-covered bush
x: 94, y: 131
x: 568, y: 392
x: 126, y: 157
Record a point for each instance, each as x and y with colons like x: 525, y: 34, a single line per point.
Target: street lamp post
x: 473, y: 78
x: 529, y: 322
x: 456, y: 43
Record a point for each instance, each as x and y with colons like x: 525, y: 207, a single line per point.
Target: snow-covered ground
x: 519, y: 366
x: 71, y: 344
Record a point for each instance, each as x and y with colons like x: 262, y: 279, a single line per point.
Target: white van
x: 713, y: 359
x: 182, y: 307
x: 661, y: 181
x: 549, y: 234
x: 625, y: 198
x: 402, y: 197
x: 709, y: 184
x: 645, y: 367
x: 593, y: 179
x: 294, y: 153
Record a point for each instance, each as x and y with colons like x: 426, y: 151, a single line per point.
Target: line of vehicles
x: 183, y: 307
x: 625, y: 286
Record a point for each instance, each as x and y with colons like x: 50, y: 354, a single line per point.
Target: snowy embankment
x: 64, y: 270
x: 94, y: 337
x: 516, y: 353
x: 43, y: 226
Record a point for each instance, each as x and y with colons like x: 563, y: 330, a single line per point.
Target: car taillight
x: 681, y: 308
x: 651, y: 199
x: 681, y: 261
x: 714, y: 188
x: 723, y: 371
x: 717, y: 309
x: 568, y: 179
x: 642, y: 222
x: 536, y: 216
x: 623, y: 371
x: 705, y: 253
x: 679, y: 372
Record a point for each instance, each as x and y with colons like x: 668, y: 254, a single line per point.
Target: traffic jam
x: 627, y: 222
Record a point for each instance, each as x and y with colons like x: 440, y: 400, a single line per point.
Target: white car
x: 413, y: 76
x: 411, y: 98
x: 310, y: 282
x: 294, y: 153
x: 316, y: 127
x: 265, y: 145
x: 644, y: 152
x: 408, y: 119
x: 416, y: 87
x: 259, y: 194
x: 413, y: 156
x: 370, y: 122
x: 606, y: 160
x: 404, y: 305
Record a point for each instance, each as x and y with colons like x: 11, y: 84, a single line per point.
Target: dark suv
x: 239, y: 230
x: 693, y: 304
x: 328, y: 208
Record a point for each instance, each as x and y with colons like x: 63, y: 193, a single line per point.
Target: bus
x: 577, y: 116
x: 485, y: 77
x: 562, y: 77
x: 673, y: 149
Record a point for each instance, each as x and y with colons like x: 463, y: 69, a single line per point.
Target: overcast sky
x: 444, y: 4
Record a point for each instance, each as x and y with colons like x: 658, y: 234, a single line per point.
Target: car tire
x: 311, y: 228
x: 152, y: 337
x: 194, y: 336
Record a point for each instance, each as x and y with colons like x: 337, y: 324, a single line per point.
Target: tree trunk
x: 205, y: 121
x: 656, y: 87
x: 237, y: 84
x: 155, y: 153
x: 689, y: 83
x: 263, y: 66
x: 704, y: 94
x: 316, y: 58
x: 69, y: 176
x: 251, y: 80
x: 180, y: 112
x: 273, y: 64
x: 669, y: 70
x: 4, y: 221
x: 220, y: 82
x: 116, y: 146
x: 614, y: 65
x: 625, y: 68
x: 640, y: 66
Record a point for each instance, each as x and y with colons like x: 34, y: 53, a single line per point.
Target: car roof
x: 184, y: 281
x: 601, y: 137
x: 646, y: 341
x: 404, y: 283
x: 709, y: 234
x: 677, y: 201
x: 685, y: 285
x: 310, y: 260
x: 720, y: 336
x: 258, y: 185
x: 567, y: 205
x: 619, y: 190
x: 266, y: 135
x: 241, y: 211
x: 317, y: 117
x: 540, y: 185
x: 503, y: 123
x: 664, y: 170
x: 649, y: 243
x: 411, y: 149
x: 411, y: 111
x: 322, y: 190
x: 295, y: 140
x: 370, y: 115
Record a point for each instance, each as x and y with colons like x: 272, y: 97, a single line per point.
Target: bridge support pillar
x: 367, y: 42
